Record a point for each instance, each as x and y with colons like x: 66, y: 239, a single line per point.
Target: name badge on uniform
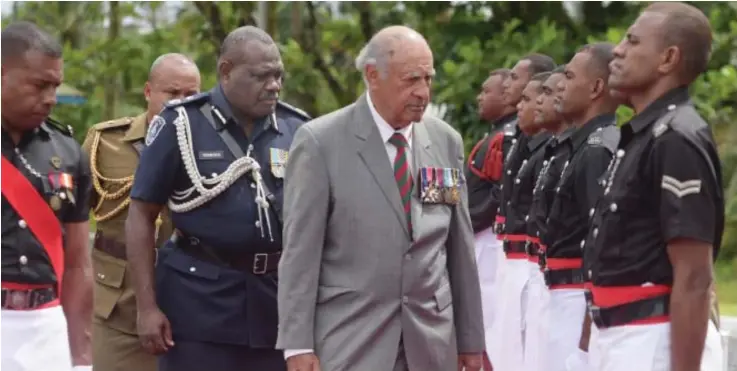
x: 278, y: 160
x: 440, y: 185
x: 211, y: 155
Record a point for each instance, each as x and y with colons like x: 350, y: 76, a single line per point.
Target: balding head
x: 171, y: 61
x: 385, y: 44
x: 397, y: 66
x: 172, y: 76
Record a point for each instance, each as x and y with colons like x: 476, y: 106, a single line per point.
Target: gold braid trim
x: 125, y: 184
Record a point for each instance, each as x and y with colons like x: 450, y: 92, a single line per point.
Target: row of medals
x: 56, y: 195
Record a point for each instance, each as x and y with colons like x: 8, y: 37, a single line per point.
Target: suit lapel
x: 423, y: 157
x: 372, y: 151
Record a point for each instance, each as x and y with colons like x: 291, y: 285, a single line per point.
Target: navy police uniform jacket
x: 204, y: 300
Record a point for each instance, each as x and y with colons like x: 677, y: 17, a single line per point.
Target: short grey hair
x: 21, y: 37
x: 373, y: 54
x: 381, y: 48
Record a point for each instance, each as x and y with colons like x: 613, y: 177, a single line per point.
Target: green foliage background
x: 109, y: 47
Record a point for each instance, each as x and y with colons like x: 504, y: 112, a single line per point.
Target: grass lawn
x: 727, y: 288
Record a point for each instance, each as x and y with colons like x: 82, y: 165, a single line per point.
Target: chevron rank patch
x: 681, y: 188
x: 154, y: 128
x: 278, y: 160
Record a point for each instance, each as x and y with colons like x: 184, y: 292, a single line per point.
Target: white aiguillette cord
x: 208, y: 189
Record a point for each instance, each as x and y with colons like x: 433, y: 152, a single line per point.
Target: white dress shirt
x: 386, y: 132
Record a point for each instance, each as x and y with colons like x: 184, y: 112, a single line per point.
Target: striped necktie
x: 402, y: 175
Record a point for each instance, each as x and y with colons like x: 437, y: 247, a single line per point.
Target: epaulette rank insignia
x: 440, y: 185
x: 595, y: 139
x: 509, y: 130
x: 278, y: 161
x: 659, y: 128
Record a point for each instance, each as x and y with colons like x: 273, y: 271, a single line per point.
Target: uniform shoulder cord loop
x: 204, y: 189
x: 124, y: 185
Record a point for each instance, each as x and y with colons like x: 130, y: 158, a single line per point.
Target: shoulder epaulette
x: 293, y: 110
x: 58, y: 126
x: 663, y: 123
x: 190, y: 99
x: 510, y: 129
x: 120, y: 122
x: 607, y: 136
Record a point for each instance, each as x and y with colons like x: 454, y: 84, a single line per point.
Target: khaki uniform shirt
x: 113, y: 147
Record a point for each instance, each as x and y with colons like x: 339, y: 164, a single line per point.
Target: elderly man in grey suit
x: 378, y: 269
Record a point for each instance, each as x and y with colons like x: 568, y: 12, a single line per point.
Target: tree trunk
x: 111, y: 84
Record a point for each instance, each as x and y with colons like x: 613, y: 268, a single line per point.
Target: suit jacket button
x: 22, y: 223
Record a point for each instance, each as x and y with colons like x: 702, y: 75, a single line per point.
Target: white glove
x: 578, y: 361
x: 82, y: 368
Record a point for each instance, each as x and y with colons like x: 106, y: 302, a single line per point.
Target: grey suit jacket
x: 351, y: 280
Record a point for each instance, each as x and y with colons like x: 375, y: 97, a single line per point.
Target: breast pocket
x: 109, y: 274
x: 622, y: 217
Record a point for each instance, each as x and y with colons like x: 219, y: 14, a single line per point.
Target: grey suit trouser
x: 401, y: 363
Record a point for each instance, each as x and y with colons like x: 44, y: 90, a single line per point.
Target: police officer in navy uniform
x: 46, y: 269
x: 657, y: 228
x: 217, y: 160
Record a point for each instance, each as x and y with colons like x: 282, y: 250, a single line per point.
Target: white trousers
x: 507, y: 344
x: 647, y: 348
x: 566, y: 314
x: 35, y: 340
x: 489, y: 255
x: 537, y: 325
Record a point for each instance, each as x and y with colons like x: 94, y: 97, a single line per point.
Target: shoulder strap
x: 42, y: 222
x: 235, y: 149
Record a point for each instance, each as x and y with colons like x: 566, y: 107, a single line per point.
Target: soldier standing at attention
x: 555, y: 154
x: 583, y: 99
x: 510, y: 338
x: 114, y: 148
x: 657, y: 229
x: 217, y: 160
x: 46, y: 273
x: 518, y: 78
x: 483, y: 176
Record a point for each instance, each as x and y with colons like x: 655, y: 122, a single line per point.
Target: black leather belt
x: 533, y: 249
x: 27, y: 299
x: 498, y: 228
x: 563, y: 277
x: 630, y: 312
x: 256, y: 263
x: 109, y: 246
x: 515, y: 247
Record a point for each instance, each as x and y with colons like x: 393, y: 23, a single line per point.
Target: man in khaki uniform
x: 114, y: 148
